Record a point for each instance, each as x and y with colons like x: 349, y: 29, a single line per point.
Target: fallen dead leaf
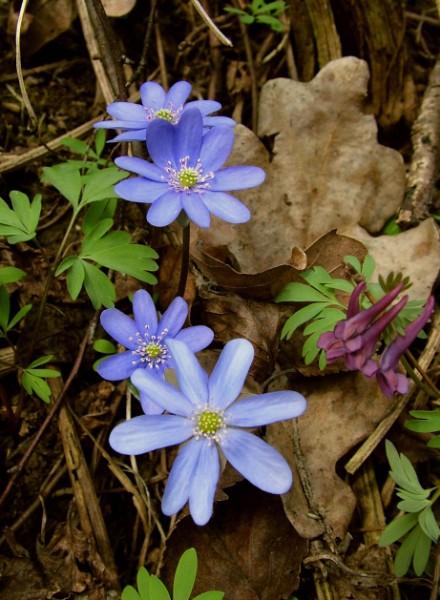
x: 342, y: 411
x: 247, y: 550
x: 118, y: 8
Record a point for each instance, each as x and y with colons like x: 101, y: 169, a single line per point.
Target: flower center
x: 188, y: 179
x: 166, y: 115
x: 150, y: 351
x: 208, y: 424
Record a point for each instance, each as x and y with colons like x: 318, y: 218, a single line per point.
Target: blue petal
x: 149, y: 432
x: 133, y: 135
x: 161, y: 392
x: 120, y: 125
x: 148, y: 406
x: 219, y: 122
x: 226, y: 207
x: 165, y: 209
x: 196, y: 209
x: 138, y: 189
x: 119, y: 326
x: 140, y: 167
x: 204, y: 106
x: 261, y: 464
x: 230, y: 372
x: 144, y: 312
x: 174, y: 317
x: 216, y: 147
x: 179, y: 480
x: 204, y: 483
x: 177, y: 95
x: 265, y: 409
x: 160, y: 142
x: 126, y: 111
x: 116, y: 367
x: 152, y: 95
x: 196, y: 338
x: 237, y: 178
x: 193, y: 381
x: 189, y: 136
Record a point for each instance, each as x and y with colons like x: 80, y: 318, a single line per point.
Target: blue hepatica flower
x: 205, y: 414
x: 146, y: 339
x: 169, y: 106
x: 187, y: 174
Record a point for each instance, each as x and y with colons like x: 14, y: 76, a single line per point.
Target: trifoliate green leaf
x: 429, y: 525
x: 66, y: 180
x: 19, y: 223
x: 100, y: 141
x: 142, y: 579
x: 353, y: 262
x: 300, y: 317
x: 185, y: 575
x: 404, y: 554
x: 99, y: 288
x: 75, y: 278
x: 426, y: 421
x: 157, y: 589
x: 10, y: 275
x: 104, y: 346
x: 99, y: 184
x: 397, y: 529
x: 300, y: 292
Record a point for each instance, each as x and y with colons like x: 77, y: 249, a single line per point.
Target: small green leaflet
x: 33, y: 378
x: 7, y: 323
x: 185, y: 575
x: 10, y: 275
x: 426, y: 421
x: 258, y: 11
x: 19, y: 223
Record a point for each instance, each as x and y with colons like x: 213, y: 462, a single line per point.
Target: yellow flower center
x: 188, y: 178
x: 165, y: 114
x: 153, y: 350
x: 209, y: 422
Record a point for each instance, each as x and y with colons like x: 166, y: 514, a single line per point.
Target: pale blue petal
x: 204, y: 483
x: 160, y: 142
x: 165, y: 209
x: 188, y: 136
x: 196, y: 209
x: 148, y: 406
x: 258, y: 462
x: 130, y: 136
x: 177, y: 95
x: 174, y: 317
x: 226, y: 207
x: 237, y: 178
x: 140, y: 167
x: 216, y: 147
x: 152, y: 95
x: 149, y: 432
x: 265, y: 409
x: 144, y: 312
x: 193, y: 381
x: 126, y: 111
x: 219, y: 122
x: 196, y: 338
x: 230, y: 372
x: 119, y: 326
x: 138, y: 189
x: 161, y: 392
x: 179, y: 480
x: 117, y: 367
x: 120, y: 125
x: 204, y: 106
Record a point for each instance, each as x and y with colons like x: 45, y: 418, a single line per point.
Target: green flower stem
x: 184, y: 269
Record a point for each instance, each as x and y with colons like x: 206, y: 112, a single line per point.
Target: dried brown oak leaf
x: 326, y: 170
x: 342, y: 411
x: 247, y: 550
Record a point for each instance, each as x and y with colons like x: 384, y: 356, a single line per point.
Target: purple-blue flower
x: 390, y: 380
x: 206, y: 416
x: 187, y: 174
x: 146, y: 339
x: 158, y: 104
x: 356, y: 337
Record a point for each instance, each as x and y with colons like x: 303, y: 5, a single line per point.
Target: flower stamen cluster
x: 208, y: 423
x: 170, y: 115
x: 149, y: 350
x: 186, y: 178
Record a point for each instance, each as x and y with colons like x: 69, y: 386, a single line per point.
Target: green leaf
x: 76, y: 146
x: 404, y: 554
x: 66, y: 180
x: 234, y: 11
x: 397, y: 529
x: 157, y: 589
x: 104, y: 346
x: 421, y: 552
x: 142, y: 579
x: 310, y: 350
x: 247, y: 19
x: 65, y: 264
x: 427, y: 421
x: 43, y: 360
x: 36, y: 385
x: 368, y: 267
x: 428, y: 524
x: 353, y: 262
x: 391, y: 227
x: 185, y: 575
x: 98, y: 286
x: 434, y: 443
x: 402, y: 471
x: 300, y: 317
x: 97, y: 212
x: 45, y: 373
x: 300, y: 292
x: 340, y: 284
x: 412, y: 506
x: 100, y: 141
x: 5, y: 308
x: 129, y: 593
x: 99, y: 184
x: 10, y: 275
x: 75, y: 278
x: 273, y: 22
x: 210, y: 596
x: 322, y: 363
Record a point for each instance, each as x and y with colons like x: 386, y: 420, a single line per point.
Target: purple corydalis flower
x: 158, y: 104
x: 355, y: 338
x: 205, y: 415
x: 146, y: 339
x: 187, y: 174
x: 388, y: 377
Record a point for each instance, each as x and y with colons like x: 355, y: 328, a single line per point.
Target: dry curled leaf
x: 118, y: 8
x: 247, y: 550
